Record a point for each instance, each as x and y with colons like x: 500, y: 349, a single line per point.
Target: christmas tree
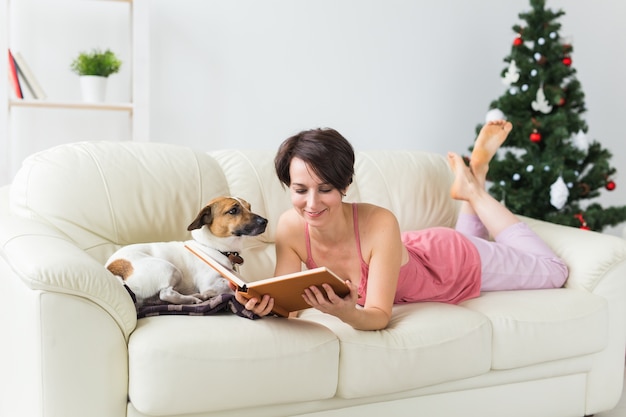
x: 548, y: 168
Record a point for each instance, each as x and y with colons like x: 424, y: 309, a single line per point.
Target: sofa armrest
x: 589, y: 255
x: 45, y: 259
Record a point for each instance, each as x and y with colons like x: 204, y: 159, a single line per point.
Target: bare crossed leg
x: 518, y: 259
x: 469, y: 184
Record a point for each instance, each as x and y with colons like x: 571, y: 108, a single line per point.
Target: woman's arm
x: 289, y: 233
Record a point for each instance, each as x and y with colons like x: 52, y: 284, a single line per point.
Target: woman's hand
x: 327, y: 301
x: 261, y: 307
x: 368, y: 318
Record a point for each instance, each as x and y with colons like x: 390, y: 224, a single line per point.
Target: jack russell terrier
x: 175, y: 274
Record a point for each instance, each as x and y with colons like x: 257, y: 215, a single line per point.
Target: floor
x: 620, y: 409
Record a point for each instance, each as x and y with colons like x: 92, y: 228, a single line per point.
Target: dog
x: 174, y: 274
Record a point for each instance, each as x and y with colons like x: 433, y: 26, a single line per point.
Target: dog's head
x: 226, y: 217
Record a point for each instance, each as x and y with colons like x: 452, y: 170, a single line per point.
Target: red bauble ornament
x: 535, y: 137
x: 518, y: 41
x: 610, y: 185
x: 567, y: 61
x: 561, y: 101
x: 583, y: 223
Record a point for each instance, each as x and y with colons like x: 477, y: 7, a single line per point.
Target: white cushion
x: 126, y: 192
x: 414, y: 185
x: 182, y: 364
x: 442, y: 342
x: 531, y: 327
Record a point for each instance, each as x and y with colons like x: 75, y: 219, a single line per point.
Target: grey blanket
x: 223, y: 303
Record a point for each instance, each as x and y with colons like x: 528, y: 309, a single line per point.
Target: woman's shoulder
x: 290, y: 223
x: 377, y: 225
x: 379, y: 231
x: 289, y: 216
x: 368, y: 211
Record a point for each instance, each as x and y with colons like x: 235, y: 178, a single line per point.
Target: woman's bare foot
x: 476, y: 200
x: 465, y: 183
x: 491, y: 137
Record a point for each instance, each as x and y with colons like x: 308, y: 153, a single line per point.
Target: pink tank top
x: 443, y: 266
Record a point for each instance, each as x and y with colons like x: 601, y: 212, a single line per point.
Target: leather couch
x: 72, y: 345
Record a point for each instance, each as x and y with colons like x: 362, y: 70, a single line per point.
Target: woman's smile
x: 314, y: 213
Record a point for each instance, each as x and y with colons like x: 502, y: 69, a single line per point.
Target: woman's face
x: 312, y: 198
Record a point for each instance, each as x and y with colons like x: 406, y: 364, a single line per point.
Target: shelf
x: 16, y: 142
x: 47, y: 104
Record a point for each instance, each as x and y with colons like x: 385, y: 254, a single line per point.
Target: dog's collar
x: 233, y: 257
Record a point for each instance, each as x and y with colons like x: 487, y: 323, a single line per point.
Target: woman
x: 363, y: 244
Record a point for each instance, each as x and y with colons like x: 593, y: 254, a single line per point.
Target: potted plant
x: 94, y: 67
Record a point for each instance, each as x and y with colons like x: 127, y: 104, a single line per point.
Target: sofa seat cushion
x: 187, y: 364
x: 424, y: 344
x: 535, y: 326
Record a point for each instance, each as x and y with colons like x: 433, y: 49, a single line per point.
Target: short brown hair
x: 330, y: 156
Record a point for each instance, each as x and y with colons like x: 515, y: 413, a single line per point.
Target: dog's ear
x: 204, y: 217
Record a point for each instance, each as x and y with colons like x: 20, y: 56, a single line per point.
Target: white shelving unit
x: 72, y: 105
x: 137, y: 108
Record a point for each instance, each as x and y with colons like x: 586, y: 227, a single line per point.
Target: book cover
x: 286, y: 290
x: 13, y: 77
x: 29, y: 78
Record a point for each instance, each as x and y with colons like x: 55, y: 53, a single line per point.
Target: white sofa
x: 72, y: 345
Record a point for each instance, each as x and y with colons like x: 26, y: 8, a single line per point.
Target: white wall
x: 386, y: 73
x: 403, y: 74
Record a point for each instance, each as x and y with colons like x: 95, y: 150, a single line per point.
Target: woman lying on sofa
x: 363, y: 243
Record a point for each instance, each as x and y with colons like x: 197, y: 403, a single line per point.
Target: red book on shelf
x: 13, y: 78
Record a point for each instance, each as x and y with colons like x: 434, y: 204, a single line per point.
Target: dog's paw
x: 196, y: 298
x: 199, y: 296
x: 208, y: 294
x: 174, y: 297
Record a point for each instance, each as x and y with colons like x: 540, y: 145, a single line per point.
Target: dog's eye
x: 233, y: 211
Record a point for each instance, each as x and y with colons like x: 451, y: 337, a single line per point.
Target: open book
x: 286, y: 290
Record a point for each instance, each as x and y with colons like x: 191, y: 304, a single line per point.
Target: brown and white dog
x: 172, y: 272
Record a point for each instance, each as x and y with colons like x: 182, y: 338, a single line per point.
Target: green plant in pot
x: 93, y: 68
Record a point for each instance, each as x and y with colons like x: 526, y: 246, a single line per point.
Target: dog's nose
x: 261, y: 221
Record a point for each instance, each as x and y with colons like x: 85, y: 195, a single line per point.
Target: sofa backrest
x: 104, y: 195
